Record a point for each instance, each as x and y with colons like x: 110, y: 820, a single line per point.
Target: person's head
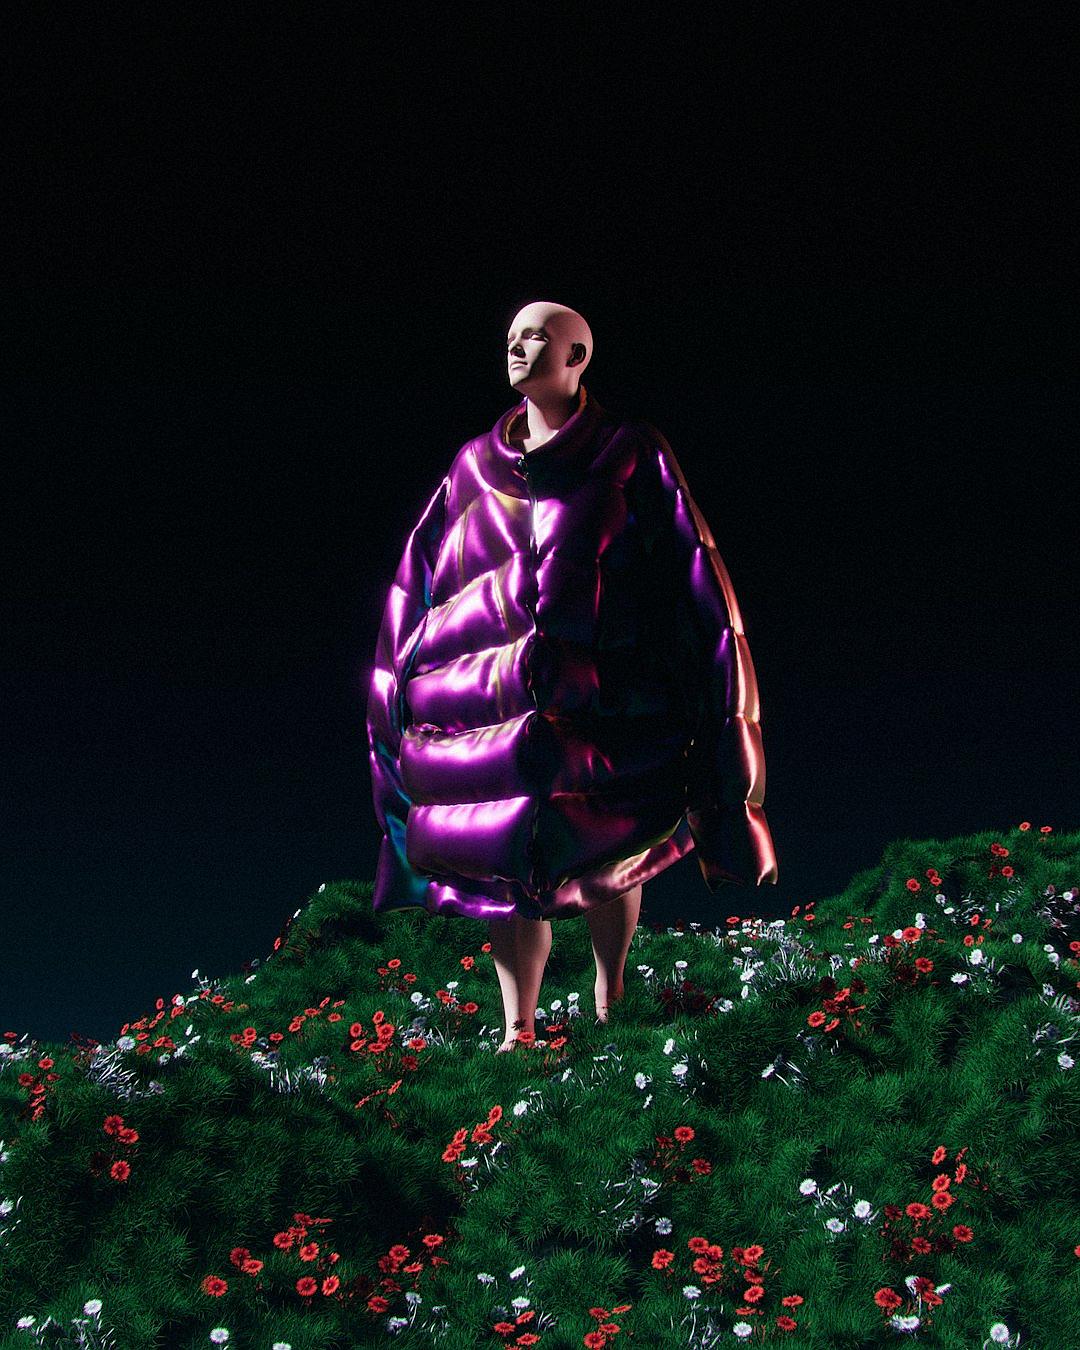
x: 547, y: 349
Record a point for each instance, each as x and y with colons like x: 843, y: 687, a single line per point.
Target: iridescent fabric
x: 563, y: 701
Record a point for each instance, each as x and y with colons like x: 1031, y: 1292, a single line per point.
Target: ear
x: 577, y: 354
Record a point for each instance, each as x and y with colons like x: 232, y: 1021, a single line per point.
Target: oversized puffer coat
x: 563, y: 701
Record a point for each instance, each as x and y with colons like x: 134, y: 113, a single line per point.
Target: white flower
x: 520, y: 1303
x: 556, y: 1004
x: 861, y: 1209
x: 691, y: 1291
x: 742, y: 1329
x: 679, y: 1070
x: 571, y: 998
x: 976, y: 957
x: 219, y: 1335
x: 517, y: 1272
x: 958, y: 978
x: 519, y: 1108
x: 24, y: 1323
x: 999, y: 1333
x: 807, y: 1187
x: 93, y: 1307
x: 126, y: 1043
x: 640, y: 1080
x: 950, y: 909
x: 898, y: 933
x: 1066, y: 1061
x: 412, y: 1298
x: 285, y: 1345
x: 485, y: 1278
x: 680, y: 965
x: 645, y: 1103
x: 663, y: 1226
x: 835, y: 1225
x: 669, y: 1045
x: 908, y: 1323
x: 1018, y: 938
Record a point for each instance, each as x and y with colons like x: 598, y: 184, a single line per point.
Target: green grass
x: 741, y: 1123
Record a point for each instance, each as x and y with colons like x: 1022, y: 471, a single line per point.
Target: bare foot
x: 603, y: 999
x: 506, y: 1045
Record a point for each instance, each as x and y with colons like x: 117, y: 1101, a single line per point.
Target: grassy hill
x: 852, y: 1125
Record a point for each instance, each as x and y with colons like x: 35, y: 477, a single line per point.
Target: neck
x: 548, y: 413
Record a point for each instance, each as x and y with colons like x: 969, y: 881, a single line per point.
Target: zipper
x: 531, y: 852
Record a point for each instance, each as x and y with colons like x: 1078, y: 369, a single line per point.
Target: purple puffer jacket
x: 563, y: 702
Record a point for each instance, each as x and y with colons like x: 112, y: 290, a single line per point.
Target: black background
x: 257, y: 296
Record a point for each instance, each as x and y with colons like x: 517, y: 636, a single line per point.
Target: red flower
x: 213, y: 1285
x: 962, y: 1233
x: 662, y: 1258
x: 683, y: 1133
x: 888, y: 1299
x: 786, y: 1323
x: 120, y: 1171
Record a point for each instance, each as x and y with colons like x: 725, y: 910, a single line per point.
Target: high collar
x: 573, y: 435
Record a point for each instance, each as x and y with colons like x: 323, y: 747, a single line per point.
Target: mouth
x: 516, y: 363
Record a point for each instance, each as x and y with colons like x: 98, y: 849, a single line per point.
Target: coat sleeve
x: 726, y: 761
x: 397, y: 884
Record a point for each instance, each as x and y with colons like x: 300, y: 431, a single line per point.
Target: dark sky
x: 257, y: 299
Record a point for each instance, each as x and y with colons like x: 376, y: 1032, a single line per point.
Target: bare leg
x: 611, y: 927
x: 520, y: 948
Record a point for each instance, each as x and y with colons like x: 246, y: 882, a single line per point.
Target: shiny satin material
x: 563, y: 701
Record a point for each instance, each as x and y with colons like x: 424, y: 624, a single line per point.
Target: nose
x: 516, y: 352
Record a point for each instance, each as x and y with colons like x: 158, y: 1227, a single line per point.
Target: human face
x: 530, y: 353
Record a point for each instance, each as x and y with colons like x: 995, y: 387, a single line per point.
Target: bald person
x: 563, y: 702
x: 547, y: 349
